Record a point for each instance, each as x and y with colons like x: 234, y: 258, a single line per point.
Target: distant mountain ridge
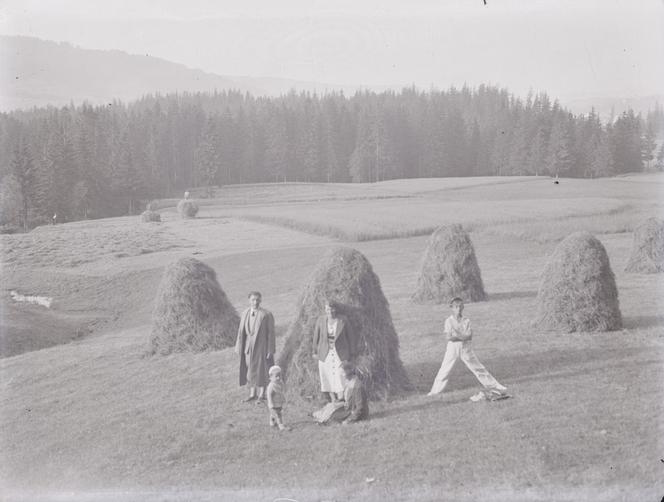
x: 38, y: 73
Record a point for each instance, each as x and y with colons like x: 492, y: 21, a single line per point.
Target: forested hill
x: 39, y: 73
x: 99, y: 161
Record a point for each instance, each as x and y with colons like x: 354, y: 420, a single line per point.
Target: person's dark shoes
x: 261, y: 400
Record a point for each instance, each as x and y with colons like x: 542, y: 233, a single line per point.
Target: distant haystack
x: 345, y: 276
x: 648, y: 249
x: 449, y: 268
x: 148, y: 216
x: 187, y: 208
x: 578, y: 289
x: 191, y: 311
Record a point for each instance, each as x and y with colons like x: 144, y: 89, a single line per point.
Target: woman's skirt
x: 332, y: 378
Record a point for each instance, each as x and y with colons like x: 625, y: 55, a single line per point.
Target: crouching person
x: 355, y: 396
x: 354, y: 406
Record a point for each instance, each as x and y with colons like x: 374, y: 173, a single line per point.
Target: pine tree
x: 206, y: 160
x: 648, y: 143
x: 24, y: 172
x: 362, y: 164
x: 659, y: 160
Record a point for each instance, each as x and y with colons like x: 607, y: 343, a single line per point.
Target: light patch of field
x: 115, y: 245
x: 383, y: 219
x: 281, y: 193
x: 623, y: 220
x: 74, y: 244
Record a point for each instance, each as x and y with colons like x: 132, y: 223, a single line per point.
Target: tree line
x: 97, y: 161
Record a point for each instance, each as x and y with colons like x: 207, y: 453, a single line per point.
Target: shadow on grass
x: 550, y: 365
x: 645, y: 321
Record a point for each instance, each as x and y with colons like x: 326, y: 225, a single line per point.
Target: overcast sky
x: 566, y: 47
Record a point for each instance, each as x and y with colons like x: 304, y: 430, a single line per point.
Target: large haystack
x: 191, y: 313
x: 187, y: 208
x: 150, y: 216
x: 449, y: 268
x: 578, y: 290
x: 345, y: 276
x: 648, y: 249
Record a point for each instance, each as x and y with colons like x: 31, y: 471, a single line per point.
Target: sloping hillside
x: 38, y: 73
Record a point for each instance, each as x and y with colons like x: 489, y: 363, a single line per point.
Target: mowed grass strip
x: 379, y: 219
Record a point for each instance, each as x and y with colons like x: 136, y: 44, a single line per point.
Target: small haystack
x: 148, y: 216
x: 187, y: 208
x: 578, y: 289
x: 344, y: 275
x: 449, y: 268
x: 648, y: 249
x: 191, y: 311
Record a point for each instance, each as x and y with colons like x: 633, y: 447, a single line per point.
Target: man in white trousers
x: 459, y: 335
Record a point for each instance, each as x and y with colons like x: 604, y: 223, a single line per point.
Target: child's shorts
x: 275, y: 416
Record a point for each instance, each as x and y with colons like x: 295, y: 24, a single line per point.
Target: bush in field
x: 346, y: 276
x: 148, y: 216
x: 578, y: 289
x: 449, y: 268
x: 187, y: 208
x: 648, y: 249
x: 191, y: 311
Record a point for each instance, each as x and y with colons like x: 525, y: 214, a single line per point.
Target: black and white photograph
x: 308, y: 251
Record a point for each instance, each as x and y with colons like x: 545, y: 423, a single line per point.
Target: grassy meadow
x: 85, y: 415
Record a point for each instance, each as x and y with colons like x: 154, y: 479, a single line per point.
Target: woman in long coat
x: 333, y: 343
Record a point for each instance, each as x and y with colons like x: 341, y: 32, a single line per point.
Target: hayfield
x: 93, y: 419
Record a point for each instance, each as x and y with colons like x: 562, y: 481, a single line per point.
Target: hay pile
x: 344, y: 275
x: 449, y: 268
x: 191, y: 311
x: 648, y: 249
x: 187, y: 208
x: 148, y: 216
x: 578, y: 290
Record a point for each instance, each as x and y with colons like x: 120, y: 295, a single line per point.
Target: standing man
x: 255, y: 345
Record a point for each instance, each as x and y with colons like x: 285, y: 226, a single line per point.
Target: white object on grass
x: 44, y: 301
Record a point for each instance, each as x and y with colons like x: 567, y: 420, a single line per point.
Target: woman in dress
x: 333, y: 343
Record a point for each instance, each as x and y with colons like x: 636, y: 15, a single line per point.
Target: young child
x: 276, y: 398
x: 459, y: 335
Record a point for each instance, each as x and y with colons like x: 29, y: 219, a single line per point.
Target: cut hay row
x: 187, y: 208
x: 449, y: 268
x: 345, y: 276
x: 578, y: 289
x: 150, y: 216
x: 648, y: 249
x: 192, y: 312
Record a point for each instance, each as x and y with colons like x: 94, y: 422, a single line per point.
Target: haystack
x: 344, y: 275
x: 648, y: 249
x: 187, y: 208
x: 191, y: 313
x: 148, y: 216
x: 449, y: 268
x: 578, y: 289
